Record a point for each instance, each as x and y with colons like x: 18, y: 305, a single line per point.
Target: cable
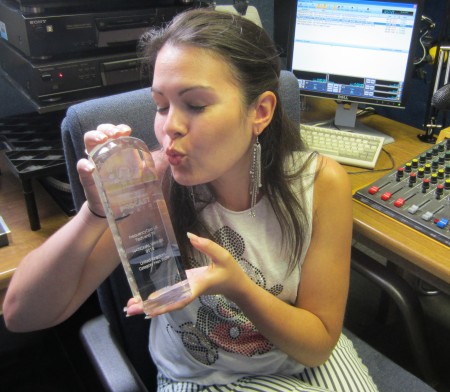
x: 431, y: 26
x: 57, y: 184
x: 365, y: 111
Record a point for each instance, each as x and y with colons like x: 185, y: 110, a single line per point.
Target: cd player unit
x: 34, y: 7
x: 47, y: 83
x: 57, y: 36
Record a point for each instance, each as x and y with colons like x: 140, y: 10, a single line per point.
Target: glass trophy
x: 131, y: 194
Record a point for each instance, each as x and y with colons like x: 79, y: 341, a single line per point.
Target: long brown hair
x: 255, y: 65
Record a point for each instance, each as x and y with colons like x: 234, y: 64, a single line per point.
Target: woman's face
x: 201, y: 123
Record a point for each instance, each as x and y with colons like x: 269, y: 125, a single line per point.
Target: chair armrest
x: 110, y: 362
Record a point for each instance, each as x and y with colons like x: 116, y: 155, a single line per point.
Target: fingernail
x: 195, y: 239
x: 147, y: 317
x: 89, y: 167
x: 125, y: 309
x: 100, y: 137
x: 192, y: 236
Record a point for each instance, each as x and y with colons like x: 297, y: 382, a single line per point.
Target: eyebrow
x: 184, y: 91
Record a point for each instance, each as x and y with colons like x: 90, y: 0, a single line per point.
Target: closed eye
x: 162, y: 110
x: 195, y: 108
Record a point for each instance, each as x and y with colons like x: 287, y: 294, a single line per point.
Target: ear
x: 264, y: 108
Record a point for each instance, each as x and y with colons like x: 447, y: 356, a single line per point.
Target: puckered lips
x: 174, y: 156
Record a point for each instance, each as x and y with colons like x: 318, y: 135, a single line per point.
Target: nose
x: 175, y: 124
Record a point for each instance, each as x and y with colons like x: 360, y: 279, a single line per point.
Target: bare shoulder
x: 331, y: 178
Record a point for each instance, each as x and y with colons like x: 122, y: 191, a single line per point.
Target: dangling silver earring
x: 255, y: 176
x: 192, y: 194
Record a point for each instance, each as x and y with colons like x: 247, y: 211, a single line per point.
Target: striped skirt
x: 343, y: 372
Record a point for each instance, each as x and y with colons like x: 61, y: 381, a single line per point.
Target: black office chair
x: 118, y: 346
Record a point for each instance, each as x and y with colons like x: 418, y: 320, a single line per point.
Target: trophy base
x: 166, y: 296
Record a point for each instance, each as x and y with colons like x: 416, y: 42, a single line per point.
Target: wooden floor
x: 22, y: 239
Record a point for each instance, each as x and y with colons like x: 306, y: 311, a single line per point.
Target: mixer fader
x: 417, y: 193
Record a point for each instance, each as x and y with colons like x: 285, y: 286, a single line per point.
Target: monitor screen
x: 355, y: 50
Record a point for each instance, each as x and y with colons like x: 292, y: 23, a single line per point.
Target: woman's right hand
x: 85, y: 167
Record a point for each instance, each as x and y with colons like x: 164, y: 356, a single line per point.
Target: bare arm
x: 53, y: 280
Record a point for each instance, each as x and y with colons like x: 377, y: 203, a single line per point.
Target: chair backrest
x: 136, y: 109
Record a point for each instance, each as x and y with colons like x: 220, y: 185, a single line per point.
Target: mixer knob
x: 413, y: 209
x: 399, y: 202
x: 447, y: 183
x: 434, y: 178
x: 400, y: 173
x: 440, y: 173
x: 412, y: 179
x: 439, y: 190
x: 415, y: 163
x: 435, y: 151
x: 447, y: 156
x: 373, y: 189
x: 386, y: 196
x: 427, y: 216
x: 440, y: 147
x: 427, y: 168
x: 420, y: 172
x: 423, y: 158
x: 435, y: 164
x: 408, y: 167
x: 425, y: 185
x: 442, y: 223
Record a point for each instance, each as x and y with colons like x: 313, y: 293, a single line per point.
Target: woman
x: 268, y: 255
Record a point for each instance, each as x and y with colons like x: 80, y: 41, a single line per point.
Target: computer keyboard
x: 348, y: 148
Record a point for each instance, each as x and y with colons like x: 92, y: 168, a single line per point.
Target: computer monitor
x: 355, y: 52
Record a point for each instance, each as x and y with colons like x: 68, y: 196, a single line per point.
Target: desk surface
x: 13, y: 211
x: 411, y: 250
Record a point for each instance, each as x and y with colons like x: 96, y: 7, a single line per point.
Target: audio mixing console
x: 417, y: 193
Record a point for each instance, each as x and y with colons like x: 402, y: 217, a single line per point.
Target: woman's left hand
x: 222, y: 276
